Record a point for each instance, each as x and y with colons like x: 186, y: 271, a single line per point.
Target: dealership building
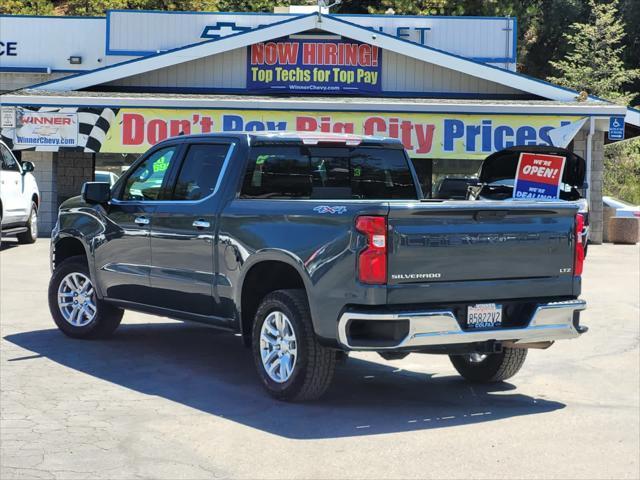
x: 81, y: 95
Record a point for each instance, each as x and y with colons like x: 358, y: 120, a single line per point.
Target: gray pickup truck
x: 314, y: 246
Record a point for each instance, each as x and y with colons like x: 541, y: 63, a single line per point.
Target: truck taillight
x: 578, y: 261
x: 372, y: 262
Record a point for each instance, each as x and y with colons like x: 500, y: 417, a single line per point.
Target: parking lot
x: 167, y: 400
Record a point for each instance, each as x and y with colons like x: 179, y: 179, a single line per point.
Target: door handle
x: 142, y: 221
x: 201, y: 224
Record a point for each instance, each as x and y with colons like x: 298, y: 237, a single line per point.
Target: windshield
x: 319, y: 172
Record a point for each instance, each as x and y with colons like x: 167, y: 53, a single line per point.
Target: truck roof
x: 306, y: 138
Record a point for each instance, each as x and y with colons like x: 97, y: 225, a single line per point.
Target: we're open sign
x: 538, y: 176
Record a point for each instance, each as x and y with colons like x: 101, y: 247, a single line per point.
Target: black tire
x: 315, y: 364
x: 107, y: 317
x: 31, y: 235
x: 496, y: 367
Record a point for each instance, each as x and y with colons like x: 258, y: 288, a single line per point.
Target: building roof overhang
x: 366, y: 104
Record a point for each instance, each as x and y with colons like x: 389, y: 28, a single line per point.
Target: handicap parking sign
x: 616, y: 128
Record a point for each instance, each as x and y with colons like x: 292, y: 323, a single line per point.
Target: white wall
x: 14, y: 81
x: 48, y: 42
x: 472, y: 37
x: 226, y: 70
x: 399, y: 74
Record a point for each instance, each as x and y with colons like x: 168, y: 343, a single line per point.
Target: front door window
x: 145, y: 183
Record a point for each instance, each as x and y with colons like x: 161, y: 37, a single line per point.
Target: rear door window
x: 310, y: 172
x: 200, y: 171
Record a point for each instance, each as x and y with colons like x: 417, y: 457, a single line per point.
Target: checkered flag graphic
x: 93, y: 126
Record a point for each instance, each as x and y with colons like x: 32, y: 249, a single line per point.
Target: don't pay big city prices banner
x: 423, y: 135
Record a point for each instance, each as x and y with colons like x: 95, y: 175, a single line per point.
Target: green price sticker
x: 160, y: 165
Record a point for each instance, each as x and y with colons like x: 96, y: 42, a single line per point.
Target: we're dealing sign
x: 538, y: 176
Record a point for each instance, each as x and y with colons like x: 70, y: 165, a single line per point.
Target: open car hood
x: 502, y: 165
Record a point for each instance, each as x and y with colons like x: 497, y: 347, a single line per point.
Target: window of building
x: 451, y: 177
x: 111, y: 166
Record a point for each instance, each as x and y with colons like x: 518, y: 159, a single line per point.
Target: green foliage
x: 410, y: 7
x: 254, y: 5
x: 630, y: 10
x: 93, y: 7
x: 26, y: 7
x: 594, y: 63
x: 541, y: 34
x: 97, y: 7
x: 621, y: 177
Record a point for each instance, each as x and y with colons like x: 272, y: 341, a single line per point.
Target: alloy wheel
x: 278, y: 347
x: 76, y: 299
x: 33, y: 224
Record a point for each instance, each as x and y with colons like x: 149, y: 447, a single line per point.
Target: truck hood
x: 502, y: 165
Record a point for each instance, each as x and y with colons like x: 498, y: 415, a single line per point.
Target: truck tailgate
x: 480, y: 241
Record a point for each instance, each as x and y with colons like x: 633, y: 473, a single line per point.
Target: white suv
x: 19, y: 198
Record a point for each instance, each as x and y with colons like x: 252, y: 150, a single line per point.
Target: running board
x: 14, y: 231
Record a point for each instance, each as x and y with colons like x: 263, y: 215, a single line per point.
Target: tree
x: 622, y: 170
x: 410, y: 7
x: 93, y: 7
x: 26, y: 7
x: 540, y: 34
x: 252, y: 5
x: 630, y: 10
x: 594, y: 63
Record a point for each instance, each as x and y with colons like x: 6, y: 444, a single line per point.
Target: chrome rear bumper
x: 549, y: 322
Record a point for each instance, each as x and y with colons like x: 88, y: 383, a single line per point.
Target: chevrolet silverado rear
x: 472, y: 277
x: 312, y: 246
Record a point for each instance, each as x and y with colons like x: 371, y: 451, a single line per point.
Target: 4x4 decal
x: 327, y: 209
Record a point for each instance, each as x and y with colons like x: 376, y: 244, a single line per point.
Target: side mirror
x: 27, y: 167
x: 96, y: 192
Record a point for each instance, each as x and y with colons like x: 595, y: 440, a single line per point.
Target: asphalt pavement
x: 167, y: 400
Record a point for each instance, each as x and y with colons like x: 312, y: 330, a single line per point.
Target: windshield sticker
x: 160, y: 165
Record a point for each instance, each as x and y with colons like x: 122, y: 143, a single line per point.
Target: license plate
x: 484, y: 315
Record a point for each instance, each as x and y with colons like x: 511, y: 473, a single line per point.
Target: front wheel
x: 31, y: 235
x: 73, y: 303
x: 291, y: 364
x: 490, y: 368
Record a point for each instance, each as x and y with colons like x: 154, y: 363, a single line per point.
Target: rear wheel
x: 74, y: 305
x: 291, y: 364
x: 490, y: 368
x: 31, y: 235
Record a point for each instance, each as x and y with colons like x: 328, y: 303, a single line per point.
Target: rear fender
x: 271, y: 255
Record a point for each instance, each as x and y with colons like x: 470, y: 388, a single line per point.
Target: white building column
x: 595, y: 182
x: 45, y: 174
